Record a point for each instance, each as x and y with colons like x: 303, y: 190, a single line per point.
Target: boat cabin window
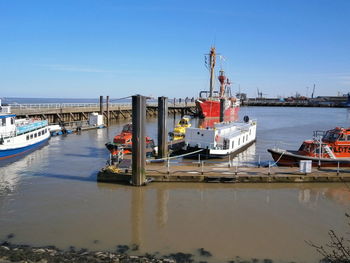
x: 342, y: 137
x: 127, y: 128
x: 3, y: 122
x: 31, y: 136
x: 27, y: 137
x: 35, y: 135
x: 348, y: 138
x: 330, y: 136
x: 12, y: 121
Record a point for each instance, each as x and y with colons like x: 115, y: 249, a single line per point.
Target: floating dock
x: 203, y: 173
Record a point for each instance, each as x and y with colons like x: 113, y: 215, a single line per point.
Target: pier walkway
x: 225, y: 172
x: 70, y: 112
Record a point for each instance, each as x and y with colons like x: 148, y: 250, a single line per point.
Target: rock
x: 39, y: 250
x: 122, y: 248
x: 204, y: 253
x: 134, y: 247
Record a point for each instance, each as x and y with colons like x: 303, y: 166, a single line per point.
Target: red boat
x: 123, y: 142
x: 327, y: 149
x: 208, y: 103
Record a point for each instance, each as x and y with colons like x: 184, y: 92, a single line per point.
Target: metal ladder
x: 329, y: 151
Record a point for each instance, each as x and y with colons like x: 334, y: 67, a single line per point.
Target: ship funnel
x: 222, y: 79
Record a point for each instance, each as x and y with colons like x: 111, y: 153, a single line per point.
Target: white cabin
x: 225, y: 138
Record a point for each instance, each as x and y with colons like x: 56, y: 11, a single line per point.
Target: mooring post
x: 162, y: 127
x: 138, y: 140
x: 101, y: 105
x: 107, y: 109
x: 269, y: 173
x: 202, y: 165
x: 222, y: 109
x: 338, y: 169
x: 168, y: 166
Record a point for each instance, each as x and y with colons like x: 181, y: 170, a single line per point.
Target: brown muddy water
x: 51, y: 197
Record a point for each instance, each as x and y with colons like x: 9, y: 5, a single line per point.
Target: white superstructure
x: 225, y: 138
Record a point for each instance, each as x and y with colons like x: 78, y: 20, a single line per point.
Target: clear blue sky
x: 83, y: 49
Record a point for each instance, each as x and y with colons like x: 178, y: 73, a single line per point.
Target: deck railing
x: 88, y: 105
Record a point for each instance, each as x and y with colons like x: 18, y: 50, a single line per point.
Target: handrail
x: 87, y: 105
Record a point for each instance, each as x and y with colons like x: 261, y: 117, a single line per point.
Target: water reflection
x: 137, y: 212
x: 248, y: 156
x: 13, y: 168
x: 162, y: 207
x: 348, y: 114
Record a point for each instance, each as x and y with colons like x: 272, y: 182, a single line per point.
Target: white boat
x: 18, y: 136
x: 54, y: 128
x: 225, y: 138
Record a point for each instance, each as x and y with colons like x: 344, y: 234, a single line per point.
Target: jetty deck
x: 226, y: 173
x: 71, y: 112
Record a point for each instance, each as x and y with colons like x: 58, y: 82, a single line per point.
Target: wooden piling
x: 162, y: 127
x: 107, y: 109
x: 138, y: 140
x: 101, y: 105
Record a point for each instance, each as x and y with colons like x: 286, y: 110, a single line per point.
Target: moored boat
x: 327, y: 149
x: 19, y: 136
x: 180, y: 129
x: 122, y: 143
x: 208, y: 103
x: 226, y: 138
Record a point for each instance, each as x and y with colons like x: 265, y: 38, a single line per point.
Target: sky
x: 84, y: 49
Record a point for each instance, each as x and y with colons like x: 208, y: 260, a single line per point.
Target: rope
x: 173, y: 157
x: 277, y: 159
x: 120, y: 98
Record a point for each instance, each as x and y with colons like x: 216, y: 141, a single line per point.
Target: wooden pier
x: 57, y: 113
x: 200, y: 172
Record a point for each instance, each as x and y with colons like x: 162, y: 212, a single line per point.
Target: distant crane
x: 313, y: 91
x: 260, y: 94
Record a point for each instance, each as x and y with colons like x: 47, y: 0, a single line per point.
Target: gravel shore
x: 27, y: 254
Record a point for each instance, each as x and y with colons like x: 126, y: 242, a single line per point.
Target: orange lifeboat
x: 326, y: 149
x: 123, y: 142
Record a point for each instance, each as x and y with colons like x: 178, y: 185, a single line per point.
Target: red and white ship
x: 208, y: 103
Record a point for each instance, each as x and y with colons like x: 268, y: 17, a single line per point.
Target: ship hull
x: 211, y: 108
x: 9, y: 153
x: 292, y: 159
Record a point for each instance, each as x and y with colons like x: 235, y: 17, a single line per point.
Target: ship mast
x: 212, y: 57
